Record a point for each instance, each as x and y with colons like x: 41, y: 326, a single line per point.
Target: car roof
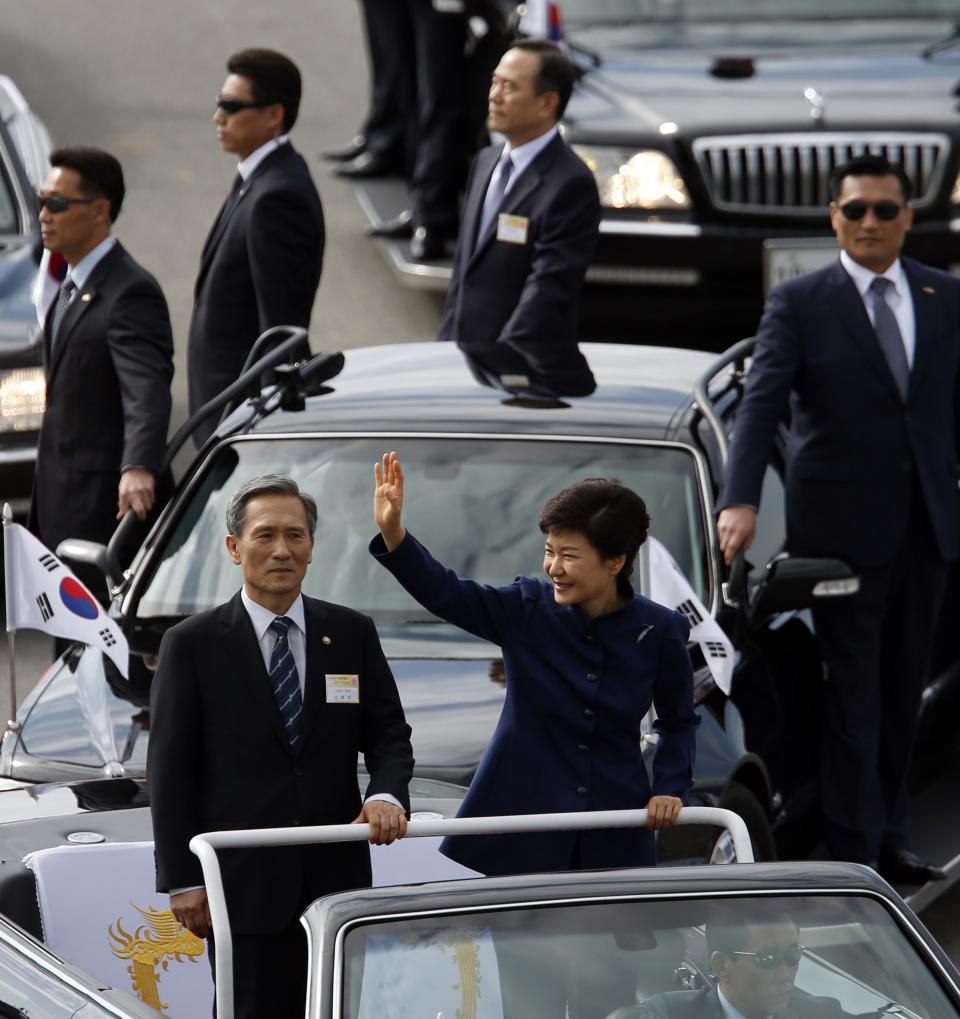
x: 804, y: 877
x: 426, y: 387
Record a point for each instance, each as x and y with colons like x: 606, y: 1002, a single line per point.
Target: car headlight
x: 23, y: 397
x: 647, y: 179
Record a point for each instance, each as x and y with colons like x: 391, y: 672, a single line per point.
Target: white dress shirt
x: 521, y: 157
x: 898, y: 297
x: 729, y: 1011
x: 246, y: 166
x: 80, y: 273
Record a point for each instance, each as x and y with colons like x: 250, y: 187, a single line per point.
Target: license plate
x: 785, y: 260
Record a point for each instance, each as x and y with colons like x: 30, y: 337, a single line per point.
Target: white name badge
x: 512, y: 229
x: 342, y: 689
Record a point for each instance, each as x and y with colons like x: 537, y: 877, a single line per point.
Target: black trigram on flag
x: 43, y: 603
x: 107, y: 637
x: 715, y: 649
x: 691, y: 612
x: 49, y: 562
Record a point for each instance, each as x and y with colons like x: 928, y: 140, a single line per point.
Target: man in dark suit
x: 865, y: 355
x: 754, y: 955
x: 258, y: 710
x: 109, y: 361
x: 261, y: 262
x: 530, y: 223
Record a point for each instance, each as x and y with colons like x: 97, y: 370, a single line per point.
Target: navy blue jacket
x: 855, y: 447
x: 568, y: 738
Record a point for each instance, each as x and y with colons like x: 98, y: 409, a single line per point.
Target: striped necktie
x: 64, y: 295
x: 495, y: 195
x: 286, y: 682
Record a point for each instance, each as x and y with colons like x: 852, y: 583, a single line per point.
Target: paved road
x: 140, y: 80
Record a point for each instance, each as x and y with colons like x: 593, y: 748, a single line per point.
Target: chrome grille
x: 788, y: 174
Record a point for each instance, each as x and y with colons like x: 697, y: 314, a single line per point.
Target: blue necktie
x: 888, y: 333
x: 286, y: 682
x: 494, y: 197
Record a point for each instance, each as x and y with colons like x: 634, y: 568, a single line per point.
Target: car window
x: 749, y: 10
x: 838, y: 956
x: 8, y: 208
x: 474, y: 503
x: 771, y: 523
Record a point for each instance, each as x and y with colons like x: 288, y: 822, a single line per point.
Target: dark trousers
x: 389, y: 126
x: 269, y: 974
x: 876, y: 647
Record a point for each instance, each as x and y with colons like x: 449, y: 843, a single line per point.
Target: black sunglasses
x: 771, y: 960
x: 57, y: 203
x: 232, y: 106
x: 885, y: 211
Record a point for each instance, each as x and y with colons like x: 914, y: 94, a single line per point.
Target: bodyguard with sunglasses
x: 108, y: 358
x: 754, y: 952
x: 864, y: 358
x: 261, y: 262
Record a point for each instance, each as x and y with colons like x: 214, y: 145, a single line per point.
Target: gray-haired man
x: 259, y: 709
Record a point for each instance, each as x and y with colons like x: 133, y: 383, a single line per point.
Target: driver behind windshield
x: 754, y: 956
x: 585, y: 658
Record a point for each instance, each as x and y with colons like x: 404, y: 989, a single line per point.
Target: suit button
x: 588, y: 712
x: 295, y: 822
x: 905, y: 465
x: 582, y: 747
x: 906, y: 416
x: 581, y: 790
x: 298, y: 772
x: 590, y: 639
x: 592, y: 676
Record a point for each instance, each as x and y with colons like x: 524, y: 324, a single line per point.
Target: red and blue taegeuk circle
x: 77, y: 600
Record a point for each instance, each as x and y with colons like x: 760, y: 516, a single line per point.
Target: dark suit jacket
x: 218, y: 757
x: 705, y: 1004
x: 108, y: 400
x: 513, y: 307
x: 855, y: 448
x: 260, y: 267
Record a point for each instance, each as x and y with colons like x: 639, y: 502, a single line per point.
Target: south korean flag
x: 669, y: 586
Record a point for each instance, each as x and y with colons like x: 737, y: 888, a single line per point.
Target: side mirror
x: 89, y: 554
x: 789, y: 583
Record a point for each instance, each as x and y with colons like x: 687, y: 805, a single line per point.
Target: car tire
x: 740, y: 800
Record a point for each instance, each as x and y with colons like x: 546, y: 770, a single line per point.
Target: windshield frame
x: 143, y: 565
x: 904, y: 923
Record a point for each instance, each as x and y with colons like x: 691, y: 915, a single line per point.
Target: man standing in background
x: 261, y: 262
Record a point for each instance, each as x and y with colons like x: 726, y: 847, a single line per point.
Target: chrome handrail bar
x: 205, y: 846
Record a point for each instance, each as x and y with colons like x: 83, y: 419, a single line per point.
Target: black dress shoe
x: 427, y: 244
x: 341, y: 153
x: 365, y: 166
x: 399, y: 227
x: 903, y: 866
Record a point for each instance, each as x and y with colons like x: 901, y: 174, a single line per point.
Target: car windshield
x: 833, y: 956
x: 693, y: 11
x: 8, y: 206
x: 474, y: 503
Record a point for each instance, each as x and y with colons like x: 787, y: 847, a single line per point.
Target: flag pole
x: 11, y: 631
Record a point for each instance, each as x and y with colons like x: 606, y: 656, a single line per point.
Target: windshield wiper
x: 946, y: 43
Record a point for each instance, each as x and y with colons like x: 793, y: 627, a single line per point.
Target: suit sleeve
x: 285, y: 243
x: 562, y: 251
x: 776, y: 364
x: 385, y: 742
x: 479, y: 609
x: 174, y: 764
x: 677, y: 720
x: 141, y: 346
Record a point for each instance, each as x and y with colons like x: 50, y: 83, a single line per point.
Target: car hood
x: 640, y: 85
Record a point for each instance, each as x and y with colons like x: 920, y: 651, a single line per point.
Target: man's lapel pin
x: 929, y: 290
x: 647, y: 627
x: 326, y: 640
x: 86, y: 298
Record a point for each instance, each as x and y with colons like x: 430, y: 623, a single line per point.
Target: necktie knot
x: 281, y: 625
x: 879, y: 287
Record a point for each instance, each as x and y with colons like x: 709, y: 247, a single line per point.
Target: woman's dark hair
x: 609, y: 515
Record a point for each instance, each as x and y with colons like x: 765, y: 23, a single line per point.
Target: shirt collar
x: 729, y: 1011
x: 862, y: 276
x: 523, y: 155
x: 246, y: 166
x: 262, y: 618
x: 80, y: 273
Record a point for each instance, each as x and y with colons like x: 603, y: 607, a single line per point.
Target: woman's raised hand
x: 388, y: 500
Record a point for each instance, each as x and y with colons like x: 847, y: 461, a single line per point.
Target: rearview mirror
x: 793, y: 583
